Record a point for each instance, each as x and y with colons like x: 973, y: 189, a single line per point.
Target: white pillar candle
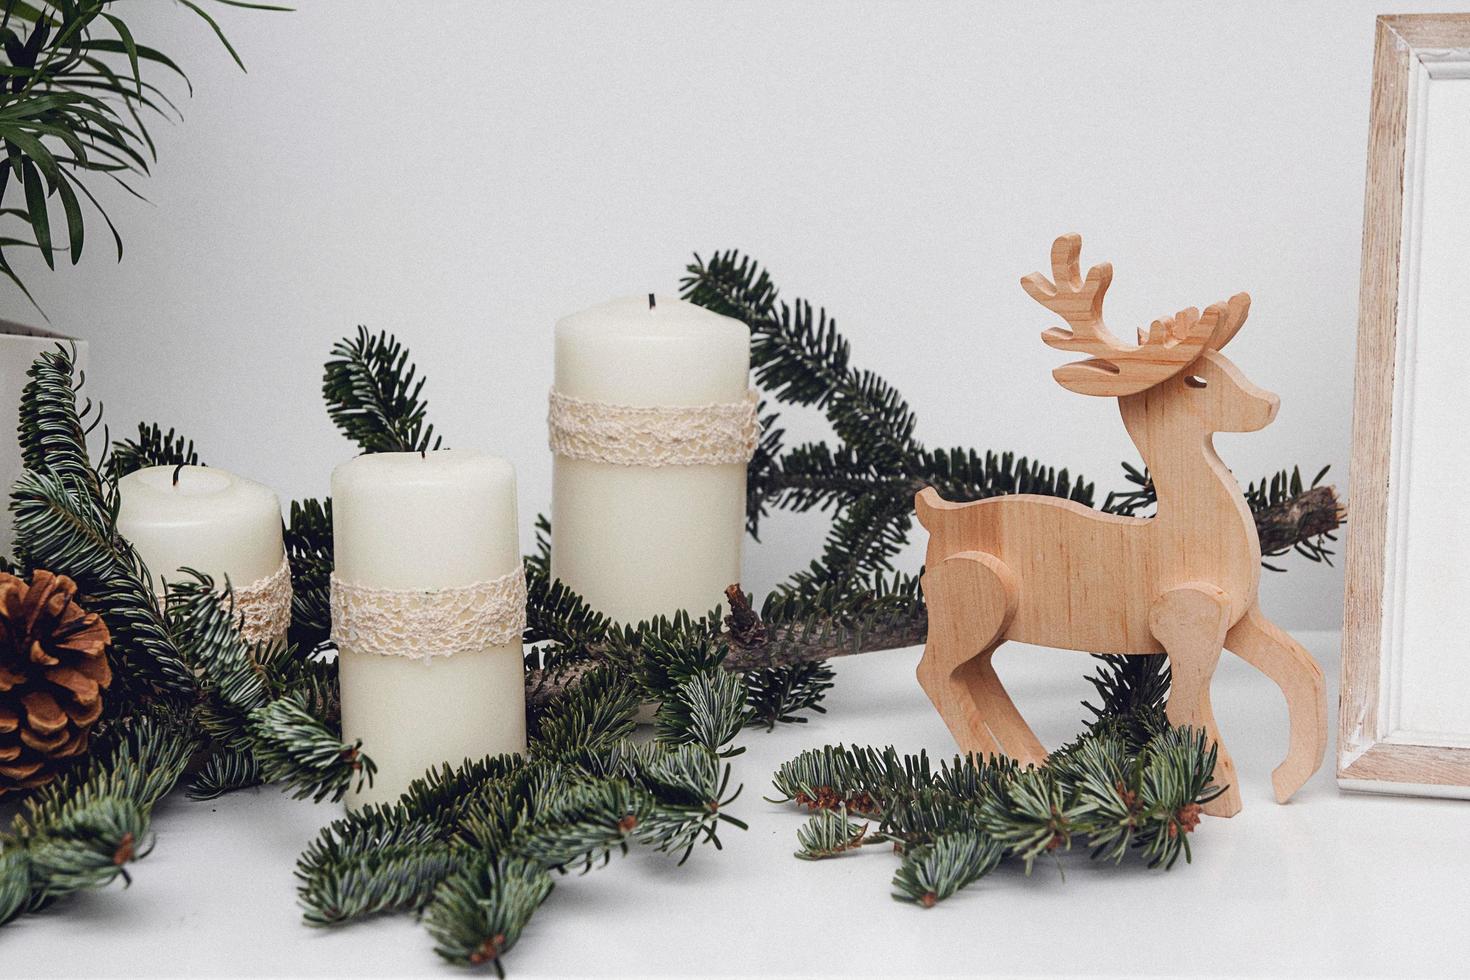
x: 421, y: 526
x: 202, y: 518
x: 637, y: 540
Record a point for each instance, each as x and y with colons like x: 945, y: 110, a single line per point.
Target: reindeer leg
x: 972, y: 598
x: 1269, y: 649
x: 1191, y: 622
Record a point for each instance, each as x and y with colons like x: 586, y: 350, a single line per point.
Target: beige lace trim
x: 262, y: 608
x: 662, y: 435
x: 424, y: 623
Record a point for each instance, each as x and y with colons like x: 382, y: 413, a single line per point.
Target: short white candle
x: 640, y: 541
x: 407, y: 521
x: 209, y: 520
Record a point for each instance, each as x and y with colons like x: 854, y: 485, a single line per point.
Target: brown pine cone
x: 53, y: 669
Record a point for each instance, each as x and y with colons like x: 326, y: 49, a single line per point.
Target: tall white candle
x: 639, y: 540
x: 419, y: 526
x: 209, y: 520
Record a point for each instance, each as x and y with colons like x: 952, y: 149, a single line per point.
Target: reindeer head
x: 1176, y: 358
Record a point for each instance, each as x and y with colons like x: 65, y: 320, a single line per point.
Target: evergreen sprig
x: 83, y: 829
x: 372, y: 395
x: 308, y: 543
x: 446, y: 847
x: 263, y: 700
x: 955, y: 823
x: 150, y: 447
x: 65, y: 520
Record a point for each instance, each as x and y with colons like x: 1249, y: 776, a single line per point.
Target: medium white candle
x: 639, y: 541
x: 209, y: 520
x: 417, y: 523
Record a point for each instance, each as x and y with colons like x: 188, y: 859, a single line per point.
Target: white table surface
x: 1333, y: 884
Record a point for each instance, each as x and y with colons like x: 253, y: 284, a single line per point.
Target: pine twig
x: 374, y: 397
x: 1297, y: 521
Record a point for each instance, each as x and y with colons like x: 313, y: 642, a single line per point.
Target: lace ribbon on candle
x: 661, y: 435
x: 262, y: 608
x: 424, y: 623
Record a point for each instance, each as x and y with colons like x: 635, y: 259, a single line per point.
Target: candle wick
x: 423, y: 454
x: 176, y: 473
x: 650, y: 301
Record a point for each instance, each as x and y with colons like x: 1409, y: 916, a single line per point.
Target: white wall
x: 464, y: 173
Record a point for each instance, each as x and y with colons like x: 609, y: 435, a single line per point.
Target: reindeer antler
x: 1114, y: 368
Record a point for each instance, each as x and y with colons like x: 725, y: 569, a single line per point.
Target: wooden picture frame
x: 1404, y: 718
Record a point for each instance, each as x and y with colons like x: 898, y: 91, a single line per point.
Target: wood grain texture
x: 1431, y: 765
x: 1056, y: 573
x: 1427, y: 31
x: 1191, y: 622
x: 1362, y: 755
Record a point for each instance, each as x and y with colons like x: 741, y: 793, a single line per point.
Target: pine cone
x: 53, y: 668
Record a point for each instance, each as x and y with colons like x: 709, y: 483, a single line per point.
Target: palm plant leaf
x: 73, y: 103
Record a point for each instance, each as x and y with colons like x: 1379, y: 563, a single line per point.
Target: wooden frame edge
x: 1364, y: 760
x: 1389, y: 767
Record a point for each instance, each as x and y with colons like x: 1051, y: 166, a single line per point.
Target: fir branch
x: 794, y: 634
x: 954, y: 824
x: 763, y: 482
x: 584, y: 791
x: 225, y: 771
x: 308, y: 543
x: 477, y: 914
x: 259, y: 700
x: 708, y: 710
x: 1133, y: 692
x: 1032, y: 814
x: 829, y: 833
x: 692, y: 789
x: 82, y: 830
x: 933, y: 872
x: 581, y: 822
x: 399, y: 877
x: 1291, y: 517
x: 376, y: 859
x: 780, y: 695
x: 151, y: 447
x: 730, y: 284
x: 54, y: 426
x: 372, y: 396
x: 65, y: 521
x: 600, y: 714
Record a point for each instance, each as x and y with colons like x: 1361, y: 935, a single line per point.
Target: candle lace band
x: 425, y: 623
x: 262, y: 608
x: 662, y: 435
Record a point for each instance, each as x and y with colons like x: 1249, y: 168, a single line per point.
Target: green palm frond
x: 74, y: 110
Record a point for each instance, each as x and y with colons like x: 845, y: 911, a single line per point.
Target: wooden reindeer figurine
x: 1056, y: 573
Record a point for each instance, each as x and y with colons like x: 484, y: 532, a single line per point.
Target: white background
x: 465, y: 173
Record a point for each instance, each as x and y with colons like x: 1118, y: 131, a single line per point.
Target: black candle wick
x: 176, y: 473
x: 650, y: 301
